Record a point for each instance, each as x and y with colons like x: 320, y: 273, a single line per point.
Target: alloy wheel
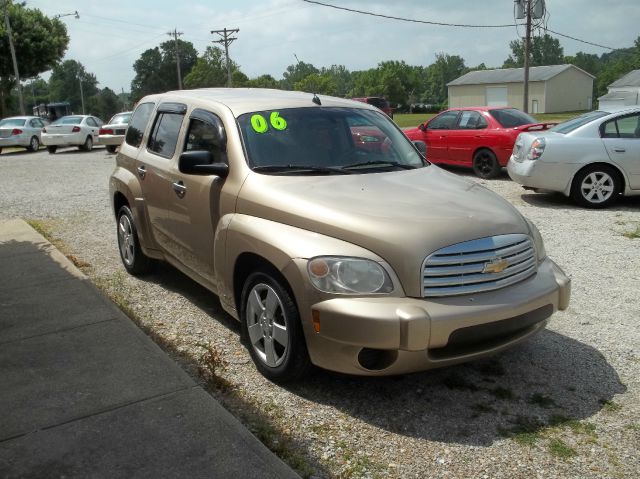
x: 267, y: 325
x: 597, y: 187
x: 126, y: 240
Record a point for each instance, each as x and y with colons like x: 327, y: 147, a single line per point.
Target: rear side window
x: 164, y: 136
x: 510, y: 117
x: 623, y: 127
x: 138, y: 124
x: 471, y: 120
x: 91, y: 122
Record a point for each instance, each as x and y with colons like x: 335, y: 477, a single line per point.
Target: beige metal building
x: 553, y: 88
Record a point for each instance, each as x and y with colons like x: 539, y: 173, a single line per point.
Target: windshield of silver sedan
x: 325, y: 141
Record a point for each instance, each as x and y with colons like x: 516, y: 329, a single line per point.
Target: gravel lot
x: 564, y: 404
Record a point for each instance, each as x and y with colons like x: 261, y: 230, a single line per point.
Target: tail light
x: 75, y: 129
x: 16, y: 131
x: 537, y: 148
x: 105, y: 131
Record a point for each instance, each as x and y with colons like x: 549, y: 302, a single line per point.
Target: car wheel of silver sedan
x: 271, y: 325
x: 133, y: 259
x: 88, y: 144
x: 596, y: 186
x: 34, y: 144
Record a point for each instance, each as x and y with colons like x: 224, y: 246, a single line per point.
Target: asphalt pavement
x: 85, y: 393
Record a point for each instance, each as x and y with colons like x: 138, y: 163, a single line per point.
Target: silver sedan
x: 112, y: 134
x: 593, y: 158
x: 21, y: 131
x: 72, y: 130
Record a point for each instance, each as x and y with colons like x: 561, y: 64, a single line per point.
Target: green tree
x: 445, y: 69
x: 104, y: 104
x: 545, y: 50
x: 35, y: 92
x: 263, y: 81
x: 341, y: 78
x: 295, y: 73
x: 40, y: 43
x: 64, y: 84
x: 317, y: 83
x: 210, y: 70
x: 156, y: 70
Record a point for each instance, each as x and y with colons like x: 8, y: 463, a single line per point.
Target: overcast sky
x: 110, y: 35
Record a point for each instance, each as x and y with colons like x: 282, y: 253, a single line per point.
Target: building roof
x: 630, y: 79
x: 512, y: 75
x: 620, y: 95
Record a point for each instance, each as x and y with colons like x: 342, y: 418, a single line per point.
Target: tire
x: 133, y: 259
x: 272, y: 330
x: 485, y: 164
x: 88, y: 144
x: 52, y: 149
x: 596, y: 186
x: 111, y: 148
x: 34, y: 144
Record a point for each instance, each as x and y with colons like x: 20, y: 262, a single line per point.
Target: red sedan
x: 479, y: 137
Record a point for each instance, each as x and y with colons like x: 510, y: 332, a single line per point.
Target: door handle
x: 142, y: 171
x: 180, y: 189
x: 619, y: 150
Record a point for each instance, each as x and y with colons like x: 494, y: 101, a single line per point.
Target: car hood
x: 413, y: 133
x: 401, y: 216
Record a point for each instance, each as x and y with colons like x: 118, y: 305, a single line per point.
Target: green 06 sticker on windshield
x: 259, y: 124
x: 277, y: 121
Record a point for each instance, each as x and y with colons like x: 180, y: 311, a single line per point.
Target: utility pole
x: 527, y: 47
x: 81, y: 94
x: 226, y: 40
x: 175, y: 34
x: 13, y: 55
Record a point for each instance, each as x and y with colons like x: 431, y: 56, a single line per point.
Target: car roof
x: 244, y: 100
x: 20, y: 117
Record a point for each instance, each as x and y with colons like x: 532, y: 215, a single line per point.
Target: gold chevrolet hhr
x: 327, y: 234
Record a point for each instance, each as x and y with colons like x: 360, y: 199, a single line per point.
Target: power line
x: 226, y: 40
x: 412, y: 20
x: 175, y: 34
x: 579, y: 40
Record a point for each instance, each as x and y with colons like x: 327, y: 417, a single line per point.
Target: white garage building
x: 553, y: 88
x: 623, y: 92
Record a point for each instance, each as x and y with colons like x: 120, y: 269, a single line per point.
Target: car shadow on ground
x: 549, y: 380
x: 559, y: 201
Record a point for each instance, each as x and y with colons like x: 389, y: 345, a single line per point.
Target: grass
x: 559, y: 448
x: 633, y: 234
x: 404, y: 120
x: 609, y: 405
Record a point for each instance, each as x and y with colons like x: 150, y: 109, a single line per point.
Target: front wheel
x: 596, y: 186
x: 34, y: 144
x: 133, y: 259
x: 485, y: 164
x: 270, y: 323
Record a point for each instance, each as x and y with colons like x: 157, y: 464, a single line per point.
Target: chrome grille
x: 479, y: 265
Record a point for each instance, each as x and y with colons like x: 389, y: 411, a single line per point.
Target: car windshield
x: 120, y: 119
x: 510, y: 117
x: 68, y: 120
x: 12, y: 122
x: 324, y: 141
x: 570, y: 125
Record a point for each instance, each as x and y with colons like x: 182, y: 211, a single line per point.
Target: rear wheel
x: 52, y: 149
x: 133, y: 259
x: 271, y: 325
x: 34, y: 144
x: 485, y: 164
x: 111, y: 148
x: 597, y: 186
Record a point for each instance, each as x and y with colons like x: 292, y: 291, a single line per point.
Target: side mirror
x: 421, y: 146
x: 201, y: 163
x: 422, y: 126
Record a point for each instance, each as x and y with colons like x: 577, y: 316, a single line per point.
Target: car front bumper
x: 540, y: 175
x: 395, y: 335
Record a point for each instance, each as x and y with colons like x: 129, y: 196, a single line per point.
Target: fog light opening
x: 376, y: 359
x: 316, y: 320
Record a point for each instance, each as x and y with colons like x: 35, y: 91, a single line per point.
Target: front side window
x: 325, y: 140
x: 164, y: 135
x: 444, y: 121
x: 138, y: 124
x: 201, y: 136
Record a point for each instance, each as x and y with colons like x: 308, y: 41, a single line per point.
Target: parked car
x: 481, y: 138
x: 377, y: 101
x: 72, y: 130
x: 593, y: 158
x: 361, y: 260
x: 23, y: 131
x: 112, y: 134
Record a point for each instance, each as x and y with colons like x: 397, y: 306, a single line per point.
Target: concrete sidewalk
x: 84, y: 393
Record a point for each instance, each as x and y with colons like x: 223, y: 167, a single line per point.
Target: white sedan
x: 23, y: 131
x: 72, y: 130
x: 594, y: 158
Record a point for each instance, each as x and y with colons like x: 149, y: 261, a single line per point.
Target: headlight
x: 537, y: 240
x: 335, y: 274
x: 537, y: 148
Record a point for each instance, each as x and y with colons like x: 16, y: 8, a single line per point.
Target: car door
x: 92, y: 127
x: 437, y: 132
x: 621, y: 138
x: 153, y: 167
x: 466, y: 137
x: 194, y: 202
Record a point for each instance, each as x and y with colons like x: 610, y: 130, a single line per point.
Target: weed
x: 560, y: 449
x: 541, y: 400
x: 633, y: 426
x: 609, y: 405
x: 525, y: 431
x: 576, y: 426
x: 212, y: 363
x: 78, y: 263
x: 633, y: 234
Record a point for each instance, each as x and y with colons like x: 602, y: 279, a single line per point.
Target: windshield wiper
x: 299, y: 169
x: 380, y: 163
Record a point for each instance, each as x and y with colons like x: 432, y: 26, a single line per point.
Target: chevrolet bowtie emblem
x: 495, y: 266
